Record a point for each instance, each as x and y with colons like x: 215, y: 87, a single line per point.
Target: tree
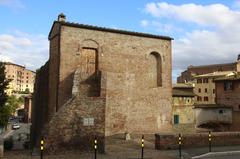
x: 3, y: 85
x: 27, y: 91
x: 13, y: 103
x: 4, y: 110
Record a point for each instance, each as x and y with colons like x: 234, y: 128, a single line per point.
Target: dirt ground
x: 116, y: 148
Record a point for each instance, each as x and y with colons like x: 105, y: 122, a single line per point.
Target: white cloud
x: 200, y: 45
x: 214, y: 14
x: 144, y: 23
x: 25, y: 49
x: 14, y: 4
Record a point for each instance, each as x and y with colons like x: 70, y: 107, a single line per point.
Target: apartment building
x: 204, y: 87
x: 188, y: 75
x: 21, y: 78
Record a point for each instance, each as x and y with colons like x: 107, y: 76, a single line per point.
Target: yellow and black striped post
x: 41, y: 148
x: 95, y: 148
x: 210, y: 141
x: 142, y: 147
x: 180, y: 145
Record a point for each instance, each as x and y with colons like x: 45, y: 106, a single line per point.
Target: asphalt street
x: 19, y: 136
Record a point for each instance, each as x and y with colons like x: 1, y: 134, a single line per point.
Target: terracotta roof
x: 211, y: 106
x: 211, y: 65
x: 182, y: 92
x: 183, y: 85
x: 10, y: 63
x: 91, y: 27
x: 235, y: 76
x: 214, y: 74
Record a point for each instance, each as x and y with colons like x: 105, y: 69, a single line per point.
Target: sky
x: 204, y: 31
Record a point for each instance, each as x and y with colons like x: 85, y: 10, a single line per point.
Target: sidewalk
x: 7, y: 133
x: 116, y: 148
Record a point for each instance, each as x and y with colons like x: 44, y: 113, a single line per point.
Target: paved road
x: 225, y: 157
x: 117, y: 148
x: 199, y: 151
x: 19, y: 136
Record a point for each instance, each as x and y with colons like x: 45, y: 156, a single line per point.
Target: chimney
x: 61, y: 17
x: 238, y: 57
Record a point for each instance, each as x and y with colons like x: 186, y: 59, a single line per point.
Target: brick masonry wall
x: 131, y: 103
x: 68, y: 129
x: 40, y: 103
x: 54, y: 59
x: 170, y: 141
x: 230, y: 98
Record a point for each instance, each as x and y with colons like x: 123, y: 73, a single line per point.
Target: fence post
x: 95, y: 148
x: 210, y: 141
x: 180, y: 145
x: 142, y: 147
x: 41, y: 148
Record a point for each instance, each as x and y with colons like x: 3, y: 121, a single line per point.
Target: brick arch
x: 155, y: 69
x: 89, y: 43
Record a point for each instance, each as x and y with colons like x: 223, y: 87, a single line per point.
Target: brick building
x: 27, y: 108
x: 204, y: 87
x: 101, y: 81
x: 228, y: 93
x: 21, y: 78
x: 187, y: 76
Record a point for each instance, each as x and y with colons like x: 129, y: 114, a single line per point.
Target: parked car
x: 15, y: 126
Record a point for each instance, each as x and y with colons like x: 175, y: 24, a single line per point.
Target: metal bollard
x: 180, y: 145
x: 142, y: 147
x: 210, y: 141
x: 95, y: 148
x: 41, y: 148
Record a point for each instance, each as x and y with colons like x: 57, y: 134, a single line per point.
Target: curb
x: 215, y: 154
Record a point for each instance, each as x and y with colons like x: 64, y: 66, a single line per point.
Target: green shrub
x: 8, y: 143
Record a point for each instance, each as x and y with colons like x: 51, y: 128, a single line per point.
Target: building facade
x: 183, y: 119
x: 204, y: 87
x: 183, y: 102
x: 102, y: 82
x: 213, y: 117
x: 228, y: 93
x: 187, y: 75
x: 21, y: 78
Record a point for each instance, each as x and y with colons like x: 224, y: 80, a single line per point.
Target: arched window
x: 155, y: 70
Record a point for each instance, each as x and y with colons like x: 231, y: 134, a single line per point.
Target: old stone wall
x: 40, y: 103
x: 122, y: 84
x: 77, y: 122
x: 132, y: 102
x: 54, y: 61
x: 66, y: 130
x: 184, y: 128
x: 170, y: 141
